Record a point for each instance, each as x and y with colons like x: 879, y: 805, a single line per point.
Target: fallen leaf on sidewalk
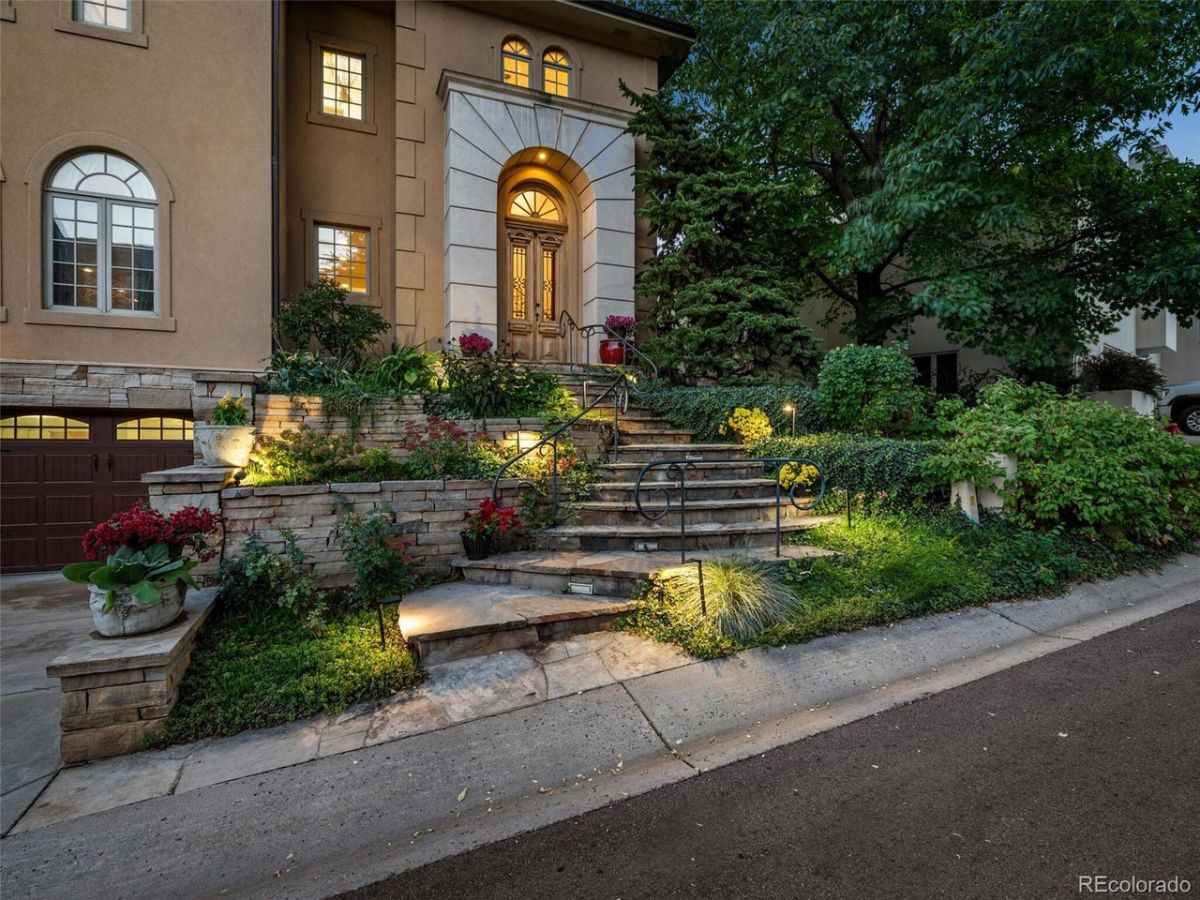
x: 462, y: 795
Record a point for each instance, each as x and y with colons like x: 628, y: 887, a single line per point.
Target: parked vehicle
x: 1182, y: 403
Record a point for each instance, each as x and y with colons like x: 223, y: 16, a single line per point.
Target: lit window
x: 43, y: 428
x: 101, y: 236
x: 547, y: 284
x: 104, y: 13
x: 342, y: 84
x: 519, y: 280
x: 534, y: 204
x: 556, y: 73
x: 155, y: 428
x: 342, y: 256
x: 516, y: 60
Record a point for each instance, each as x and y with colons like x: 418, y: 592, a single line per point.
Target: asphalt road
x: 1084, y: 762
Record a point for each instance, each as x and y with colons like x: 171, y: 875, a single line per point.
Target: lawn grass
x: 272, y: 669
x: 892, y: 567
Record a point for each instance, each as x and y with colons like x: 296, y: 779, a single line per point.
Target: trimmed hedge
x: 888, y: 472
x: 704, y: 410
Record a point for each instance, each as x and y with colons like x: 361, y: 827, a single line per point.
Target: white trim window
x: 101, y: 254
x: 103, y: 13
x: 343, y: 255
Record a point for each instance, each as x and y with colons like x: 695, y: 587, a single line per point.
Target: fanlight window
x: 101, y: 236
x: 516, y: 61
x: 155, y: 428
x: 531, y: 203
x: 556, y: 72
x: 43, y: 428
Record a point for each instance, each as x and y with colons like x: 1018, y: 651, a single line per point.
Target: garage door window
x: 155, y: 428
x: 43, y: 428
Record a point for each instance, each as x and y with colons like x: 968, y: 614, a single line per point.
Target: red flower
x: 491, y: 518
x: 140, y: 526
x: 474, y: 344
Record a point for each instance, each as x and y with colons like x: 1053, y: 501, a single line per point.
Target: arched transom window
x: 516, y: 61
x: 101, y: 236
x: 556, y: 72
x: 37, y: 427
x: 530, y: 203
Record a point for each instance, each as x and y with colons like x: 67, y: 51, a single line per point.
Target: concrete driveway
x: 40, y: 616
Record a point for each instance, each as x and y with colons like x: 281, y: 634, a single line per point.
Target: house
x: 169, y: 170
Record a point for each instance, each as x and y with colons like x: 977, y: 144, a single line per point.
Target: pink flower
x: 474, y: 344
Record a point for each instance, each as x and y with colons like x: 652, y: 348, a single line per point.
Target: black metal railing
x: 805, y: 490
x: 627, y: 378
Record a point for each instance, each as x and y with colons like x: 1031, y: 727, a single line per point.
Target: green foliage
x: 1086, y: 465
x: 870, y: 390
x: 1115, y: 370
x: 703, y: 410
x: 489, y: 387
x: 883, y: 472
x: 404, y: 370
x: 257, y: 673
x: 230, y: 411
x: 303, y: 456
x: 260, y: 584
x: 146, y: 573
x: 442, y: 449
x: 739, y: 597
x: 376, y: 556
x: 957, y: 160
x: 322, y: 313
x: 726, y: 309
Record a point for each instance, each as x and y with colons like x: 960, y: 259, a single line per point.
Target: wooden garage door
x: 62, y: 472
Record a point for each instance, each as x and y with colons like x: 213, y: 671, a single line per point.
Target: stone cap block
x: 158, y: 648
x: 195, y: 474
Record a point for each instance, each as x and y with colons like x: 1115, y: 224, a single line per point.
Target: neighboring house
x: 170, y: 169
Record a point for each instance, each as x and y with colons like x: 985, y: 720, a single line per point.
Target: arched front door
x: 535, y: 229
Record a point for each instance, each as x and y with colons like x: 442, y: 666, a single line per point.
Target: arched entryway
x: 538, y: 268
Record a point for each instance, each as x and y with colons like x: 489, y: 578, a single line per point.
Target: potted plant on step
x: 614, y: 351
x: 227, y: 440
x: 486, y: 525
x: 138, y: 571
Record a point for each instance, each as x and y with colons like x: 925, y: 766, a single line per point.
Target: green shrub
x: 704, y: 410
x: 741, y: 595
x: 322, y: 313
x: 378, y: 560
x: 442, y: 449
x: 1080, y: 464
x: 1115, y: 370
x: 869, y: 390
x: 260, y: 582
x: 488, y: 387
x: 889, y: 473
x: 404, y: 370
x: 303, y: 456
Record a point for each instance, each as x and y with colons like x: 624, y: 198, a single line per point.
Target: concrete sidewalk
x: 337, y: 822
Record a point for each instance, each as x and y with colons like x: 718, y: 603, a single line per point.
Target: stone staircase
x: 582, y: 574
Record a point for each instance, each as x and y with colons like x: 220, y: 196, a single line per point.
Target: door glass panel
x: 153, y: 428
x: 548, y: 310
x: 519, y: 281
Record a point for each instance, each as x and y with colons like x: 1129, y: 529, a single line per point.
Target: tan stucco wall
x: 195, y: 105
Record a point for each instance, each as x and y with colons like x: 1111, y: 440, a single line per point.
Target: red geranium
x: 491, y: 518
x: 474, y: 344
x: 140, y: 527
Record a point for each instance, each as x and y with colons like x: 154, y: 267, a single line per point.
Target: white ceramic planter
x: 127, y: 616
x: 962, y: 494
x: 989, y: 495
x: 224, y: 445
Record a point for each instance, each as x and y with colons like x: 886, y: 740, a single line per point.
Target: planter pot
x: 476, y: 547
x: 615, y: 353
x: 127, y: 616
x: 962, y: 494
x: 224, y: 445
x: 989, y: 494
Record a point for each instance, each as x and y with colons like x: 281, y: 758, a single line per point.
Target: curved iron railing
x: 675, y: 472
x: 624, y: 382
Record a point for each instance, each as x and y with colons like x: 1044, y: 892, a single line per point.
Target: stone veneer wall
x: 70, y: 385
x: 426, y: 515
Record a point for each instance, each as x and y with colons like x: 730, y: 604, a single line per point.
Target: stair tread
x: 733, y: 448
x: 461, y: 608
x: 714, y: 484
x: 697, y: 529
x: 732, y: 464
x: 630, y: 506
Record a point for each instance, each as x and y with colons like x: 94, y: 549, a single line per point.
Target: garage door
x: 62, y: 472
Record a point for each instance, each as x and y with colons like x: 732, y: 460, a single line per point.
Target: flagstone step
x: 705, y: 489
x: 459, y: 619
x: 656, y: 435
x: 700, y: 535
x: 647, y: 452
x: 614, y: 573
x: 729, y: 511
x: 624, y: 470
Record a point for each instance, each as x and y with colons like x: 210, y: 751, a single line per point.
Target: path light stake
x: 779, y: 513
x: 700, y: 580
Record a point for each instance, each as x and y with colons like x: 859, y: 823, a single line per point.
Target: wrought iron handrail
x: 623, y: 383
x: 676, y: 479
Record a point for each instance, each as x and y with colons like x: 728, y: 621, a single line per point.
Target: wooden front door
x: 534, y: 296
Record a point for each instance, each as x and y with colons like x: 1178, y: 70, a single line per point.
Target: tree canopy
x: 965, y: 161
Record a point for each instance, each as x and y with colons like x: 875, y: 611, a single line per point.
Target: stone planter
x: 989, y: 494
x: 128, y: 617
x: 615, y: 353
x: 224, y: 445
x: 962, y: 494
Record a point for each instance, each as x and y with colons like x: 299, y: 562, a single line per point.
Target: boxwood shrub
x: 704, y: 409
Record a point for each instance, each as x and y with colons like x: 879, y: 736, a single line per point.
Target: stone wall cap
x: 278, y: 490
x: 230, y: 377
x: 189, y: 473
x: 158, y: 648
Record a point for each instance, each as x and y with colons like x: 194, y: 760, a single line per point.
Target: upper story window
x: 101, y: 215
x: 103, y: 13
x: 516, y: 62
x: 342, y: 84
x: 556, y: 72
x: 343, y: 255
